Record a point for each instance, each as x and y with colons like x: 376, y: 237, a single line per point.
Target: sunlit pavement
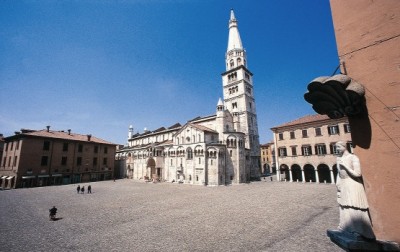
x: 129, y: 215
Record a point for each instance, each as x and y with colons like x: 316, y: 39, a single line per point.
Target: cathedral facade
x: 219, y: 149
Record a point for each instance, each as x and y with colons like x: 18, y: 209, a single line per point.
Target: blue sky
x: 98, y: 66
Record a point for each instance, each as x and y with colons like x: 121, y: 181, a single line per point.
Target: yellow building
x: 268, y: 164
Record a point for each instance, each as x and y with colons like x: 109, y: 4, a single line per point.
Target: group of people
x: 80, y: 189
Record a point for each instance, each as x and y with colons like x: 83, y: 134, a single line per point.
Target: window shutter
x: 329, y: 130
x: 331, y: 148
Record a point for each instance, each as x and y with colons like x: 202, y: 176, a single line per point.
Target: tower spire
x: 234, y: 41
x: 235, y: 53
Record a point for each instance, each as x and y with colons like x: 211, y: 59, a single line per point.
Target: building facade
x: 214, y: 150
x: 368, y: 43
x: 305, y: 148
x: 46, y: 157
x: 268, y: 163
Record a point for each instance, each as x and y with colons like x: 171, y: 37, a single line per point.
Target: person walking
x: 83, y: 189
x: 89, y: 189
x: 78, y: 189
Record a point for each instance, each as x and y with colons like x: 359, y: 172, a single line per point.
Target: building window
x: 105, y: 150
x: 17, y: 145
x: 63, y: 160
x: 189, y: 153
x: 96, y: 149
x: 306, y: 150
x: 346, y: 128
x: 95, y: 161
x: 320, y: 149
x: 318, y: 132
x: 292, y: 135
x: 15, y: 161
x: 282, y: 152
x: 294, y: 151
x: 349, y: 146
x: 333, y: 130
x: 79, y: 161
x: 234, y: 105
x: 80, y: 147
x: 105, y: 161
x: 46, y: 145
x: 280, y: 135
x: 304, y: 133
x: 44, y: 160
x: 333, y: 148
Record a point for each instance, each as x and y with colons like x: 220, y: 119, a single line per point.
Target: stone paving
x: 129, y: 215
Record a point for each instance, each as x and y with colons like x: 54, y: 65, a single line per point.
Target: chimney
x: 88, y: 137
x: 48, y: 128
x: 69, y: 131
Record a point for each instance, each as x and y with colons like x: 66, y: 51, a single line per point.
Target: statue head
x: 340, y: 147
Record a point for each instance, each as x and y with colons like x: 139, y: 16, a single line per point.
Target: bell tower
x: 238, y: 93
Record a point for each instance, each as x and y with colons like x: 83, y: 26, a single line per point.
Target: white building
x: 215, y: 150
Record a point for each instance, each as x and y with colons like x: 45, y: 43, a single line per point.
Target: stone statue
x: 353, y: 205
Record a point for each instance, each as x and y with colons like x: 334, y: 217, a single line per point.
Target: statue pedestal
x: 350, y: 242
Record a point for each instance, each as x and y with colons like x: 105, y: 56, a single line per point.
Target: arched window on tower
x: 239, y: 61
x: 231, y: 63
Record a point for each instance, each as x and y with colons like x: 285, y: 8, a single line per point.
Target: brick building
x: 305, y: 150
x: 46, y: 157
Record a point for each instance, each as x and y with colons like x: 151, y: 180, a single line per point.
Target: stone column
x: 332, y: 177
x: 278, y: 174
x: 316, y: 175
x: 290, y: 174
x: 302, y: 176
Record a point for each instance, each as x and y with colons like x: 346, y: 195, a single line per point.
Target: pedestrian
x: 83, y: 189
x: 89, y: 189
x: 78, y: 189
x: 53, y: 212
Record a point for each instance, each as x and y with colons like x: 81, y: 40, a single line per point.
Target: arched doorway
x: 284, y: 171
x: 296, y: 173
x: 129, y: 173
x: 309, y: 173
x: 324, y: 173
x: 151, y: 168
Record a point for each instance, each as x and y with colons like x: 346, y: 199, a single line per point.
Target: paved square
x: 129, y: 215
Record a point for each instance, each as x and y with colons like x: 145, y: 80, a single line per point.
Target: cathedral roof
x: 176, y: 125
x: 203, y: 128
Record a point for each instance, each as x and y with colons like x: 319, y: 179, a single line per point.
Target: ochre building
x: 305, y: 148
